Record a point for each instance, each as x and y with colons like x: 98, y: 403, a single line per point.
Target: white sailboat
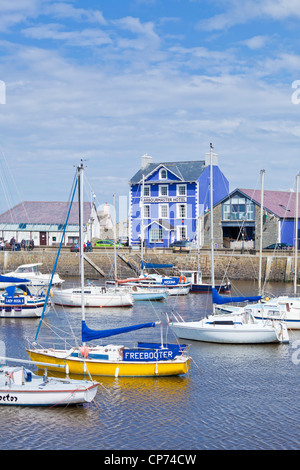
x: 21, y: 387
x: 111, y: 360
x: 236, y: 327
x: 94, y: 296
x: 31, y: 271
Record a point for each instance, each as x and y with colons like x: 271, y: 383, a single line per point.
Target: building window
x: 146, y: 190
x: 181, y: 190
x: 163, y: 211
x: 163, y: 174
x: 181, y: 211
x: 163, y: 190
x: 156, y: 235
x: 181, y: 232
x: 147, y: 211
x: 238, y: 208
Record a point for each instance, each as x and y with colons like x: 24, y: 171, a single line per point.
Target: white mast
x: 80, y: 201
x: 261, y: 229
x: 115, y: 237
x: 212, y: 223
x: 296, y: 234
x: 142, y: 225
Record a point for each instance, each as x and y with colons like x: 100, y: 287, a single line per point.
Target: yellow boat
x: 147, y: 360
x: 109, y: 361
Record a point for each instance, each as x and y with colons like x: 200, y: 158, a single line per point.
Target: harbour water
x: 234, y: 397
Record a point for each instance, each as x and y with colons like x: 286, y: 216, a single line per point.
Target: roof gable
x: 183, y: 171
x: 280, y: 203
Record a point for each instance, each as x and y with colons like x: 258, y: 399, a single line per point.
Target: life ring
x: 84, y: 351
x: 182, y: 279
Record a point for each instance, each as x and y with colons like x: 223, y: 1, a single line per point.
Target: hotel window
x: 146, y: 190
x: 181, y: 190
x: 156, y: 235
x: 163, y: 190
x: 147, y: 211
x: 181, y: 232
x: 163, y: 211
x: 163, y: 174
x: 181, y: 211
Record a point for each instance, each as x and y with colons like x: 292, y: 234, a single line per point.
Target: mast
x: 212, y: 223
x: 80, y: 202
x: 115, y: 236
x: 142, y: 225
x: 261, y: 229
x: 296, y: 234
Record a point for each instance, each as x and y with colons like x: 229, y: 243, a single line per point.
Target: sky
x: 108, y: 81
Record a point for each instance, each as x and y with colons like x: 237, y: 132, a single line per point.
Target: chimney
x: 214, y: 159
x: 146, y: 160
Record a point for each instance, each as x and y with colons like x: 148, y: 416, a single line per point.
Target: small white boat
x: 282, y: 308
x: 232, y: 328
x: 17, y: 301
x: 21, y: 387
x: 174, y: 285
x: 94, y: 296
x: 140, y: 293
x: 33, y: 274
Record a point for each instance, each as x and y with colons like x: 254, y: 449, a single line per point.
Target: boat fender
x: 182, y: 279
x: 84, y: 351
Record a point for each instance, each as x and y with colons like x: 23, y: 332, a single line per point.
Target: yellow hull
x: 113, y: 368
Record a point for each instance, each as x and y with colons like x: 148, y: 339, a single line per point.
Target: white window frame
x: 156, y: 240
x: 181, y: 186
x: 179, y: 216
x: 147, y: 188
x: 148, y: 207
x: 160, y: 209
x: 160, y: 174
x: 160, y: 189
x: 179, y: 233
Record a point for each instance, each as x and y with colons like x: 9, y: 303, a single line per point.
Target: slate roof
x: 46, y: 213
x: 280, y: 203
x: 185, y: 171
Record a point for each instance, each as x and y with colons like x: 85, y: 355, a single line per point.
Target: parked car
x: 279, y: 246
x: 107, y: 243
x: 181, y: 245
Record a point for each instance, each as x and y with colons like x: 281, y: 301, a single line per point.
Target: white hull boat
x: 238, y: 328
x: 140, y: 293
x: 282, y: 308
x: 94, y: 296
x: 33, y: 274
x: 18, y: 302
x: 21, y: 387
x: 174, y: 286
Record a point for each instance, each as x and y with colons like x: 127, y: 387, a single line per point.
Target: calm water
x: 234, y: 397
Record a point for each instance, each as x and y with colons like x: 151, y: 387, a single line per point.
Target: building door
x: 43, y: 238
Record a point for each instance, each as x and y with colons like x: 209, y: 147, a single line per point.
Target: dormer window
x: 163, y: 174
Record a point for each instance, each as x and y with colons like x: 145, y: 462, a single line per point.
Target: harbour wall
x: 228, y: 265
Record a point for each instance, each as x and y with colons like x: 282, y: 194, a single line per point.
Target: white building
x: 44, y: 222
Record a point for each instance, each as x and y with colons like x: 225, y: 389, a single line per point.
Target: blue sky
x: 111, y: 80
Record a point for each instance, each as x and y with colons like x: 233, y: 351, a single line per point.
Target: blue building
x: 176, y: 196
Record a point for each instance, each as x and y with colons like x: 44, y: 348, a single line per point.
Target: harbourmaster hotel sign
x: 164, y: 199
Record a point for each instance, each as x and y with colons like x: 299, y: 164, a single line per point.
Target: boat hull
x: 243, y: 334
x: 40, y: 392
x: 202, y: 288
x: 113, y: 368
x: 24, y: 312
x: 69, y: 299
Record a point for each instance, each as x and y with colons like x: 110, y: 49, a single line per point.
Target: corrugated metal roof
x: 280, y: 203
x: 185, y: 171
x: 30, y: 212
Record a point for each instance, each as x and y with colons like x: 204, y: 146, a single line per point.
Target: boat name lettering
x: 150, y: 355
x: 165, y: 199
x: 170, y: 282
x: 14, y: 300
x: 8, y: 397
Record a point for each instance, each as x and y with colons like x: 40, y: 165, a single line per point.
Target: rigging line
x: 58, y: 253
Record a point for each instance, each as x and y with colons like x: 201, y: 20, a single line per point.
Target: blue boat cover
x: 155, y: 266
x: 218, y: 299
x: 87, y: 334
x: 11, y: 290
x: 16, y: 280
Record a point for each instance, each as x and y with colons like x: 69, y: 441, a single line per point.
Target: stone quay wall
x: 227, y: 265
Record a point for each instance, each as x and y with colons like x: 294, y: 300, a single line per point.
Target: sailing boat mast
x: 142, y: 225
x: 296, y: 234
x: 80, y: 202
x: 212, y: 223
x: 261, y: 229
